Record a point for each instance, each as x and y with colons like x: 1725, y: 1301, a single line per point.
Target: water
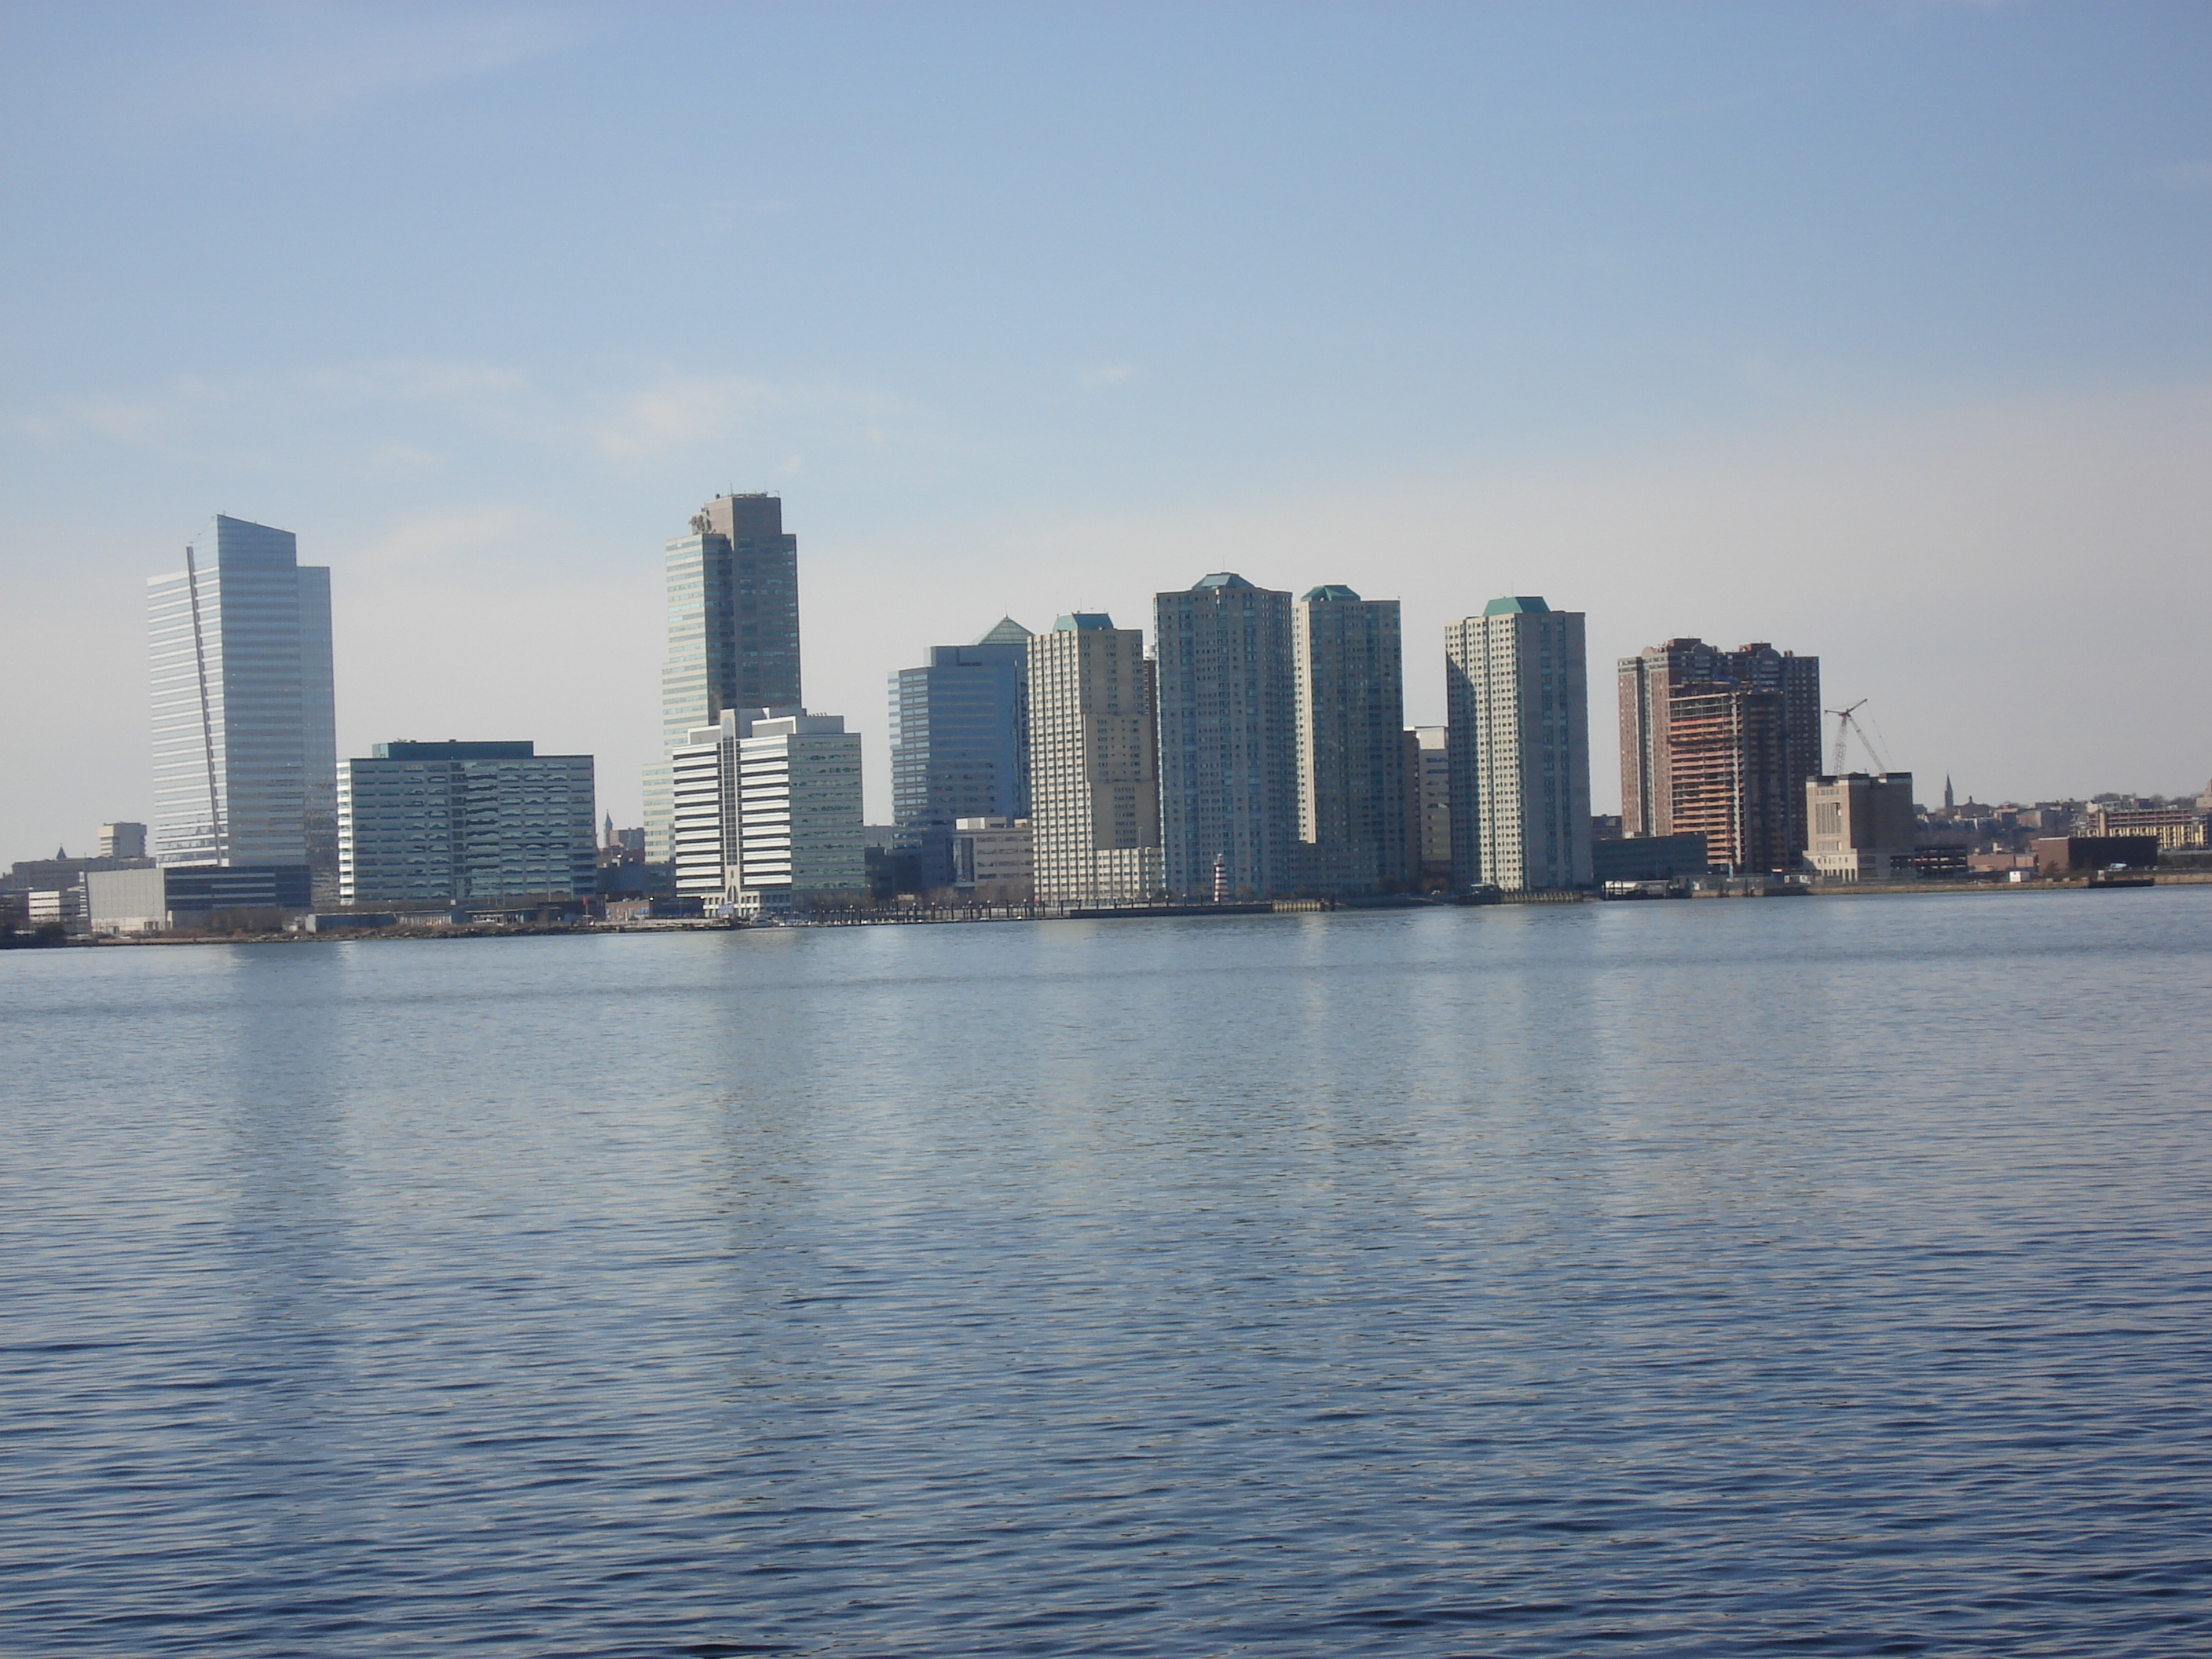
x: 1666, y: 1279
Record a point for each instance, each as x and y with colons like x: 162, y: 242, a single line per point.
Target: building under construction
x: 1719, y: 744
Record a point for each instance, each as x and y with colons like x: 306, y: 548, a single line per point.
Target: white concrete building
x: 765, y: 811
x: 1518, y: 691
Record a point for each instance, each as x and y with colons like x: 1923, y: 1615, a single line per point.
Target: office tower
x: 245, y: 730
x: 1349, y: 675
x: 1720, y: 743
x: 733, y: 631
x: 1094, y: 770
x: 802, y: 839
x: 1515, y: 678
x: 960, y: 741
x: 767, y: 812
x: 1428, y: 805
x: 702, y: 846
x: 1228, y: 737
x: 123, y: 840
x: 1862, y: 827
x: 448, y: 823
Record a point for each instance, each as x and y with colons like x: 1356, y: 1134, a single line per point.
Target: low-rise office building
x: 2176, y: 828
x: 1650, y: 858
x: 2066, y: 855
x: 183, y: 898
x: 442, y: 823
x: 1862, y: 826
x: 765, y: 811
x: 994, y: 860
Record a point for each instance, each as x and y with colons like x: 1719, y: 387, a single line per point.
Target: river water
x: 1822, y: 1275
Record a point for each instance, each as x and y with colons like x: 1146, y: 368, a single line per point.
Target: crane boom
x: 1845, y: 724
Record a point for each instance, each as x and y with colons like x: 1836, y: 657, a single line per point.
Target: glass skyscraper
x: 245, y: 724
x: 733, y: 633
x: 439, y: 822
x: 960, y: 741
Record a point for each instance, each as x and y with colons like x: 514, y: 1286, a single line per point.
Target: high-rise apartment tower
x: 1094, y: 773
x: 1349, y: 672
x: 1515, y: 678
x: 244, y: 723
x: 1228, y: 737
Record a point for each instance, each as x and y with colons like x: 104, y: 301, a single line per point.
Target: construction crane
x: 1844, y: 727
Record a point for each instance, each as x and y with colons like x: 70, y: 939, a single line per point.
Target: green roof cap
x: 1513, y: 605
x: 1076, y: 622
x: 1331, y: 591
x: 1219, y: 579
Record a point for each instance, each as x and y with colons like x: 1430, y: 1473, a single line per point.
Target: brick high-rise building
x: 1720, y: 743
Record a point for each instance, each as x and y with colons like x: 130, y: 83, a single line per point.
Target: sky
x: 1880, y: 331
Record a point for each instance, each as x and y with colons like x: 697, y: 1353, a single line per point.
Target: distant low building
x: 2063, y: 855
x: 183, y: 898
x: 1650, y: 858
x: 1861, y: 825
x: 1428, y: 805
x: 123, y: 840
x: 994, y: 860
x: 2174, y: 827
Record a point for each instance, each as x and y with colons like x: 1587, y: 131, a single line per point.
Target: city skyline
x: 1705, y: 668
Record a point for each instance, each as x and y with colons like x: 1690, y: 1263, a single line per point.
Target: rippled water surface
x: 1684, y: 1279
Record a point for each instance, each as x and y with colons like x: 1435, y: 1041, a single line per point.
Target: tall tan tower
x: 1094, y: 764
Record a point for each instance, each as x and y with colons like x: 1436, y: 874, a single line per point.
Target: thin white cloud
x: 178, y: 409
x: 415, y: 379
x: 2186, y: 176
x: 493, y: 537
x: 677, y: 413
x: 308, y: 63
x: 682, y: 412
x: 1105, y: 375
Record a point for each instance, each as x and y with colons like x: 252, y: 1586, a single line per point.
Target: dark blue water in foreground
x: 1820, y: 1276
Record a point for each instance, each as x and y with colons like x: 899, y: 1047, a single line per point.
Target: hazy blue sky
x: 1878, y: 331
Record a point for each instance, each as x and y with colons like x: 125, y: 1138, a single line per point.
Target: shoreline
x: 1166, y: 912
